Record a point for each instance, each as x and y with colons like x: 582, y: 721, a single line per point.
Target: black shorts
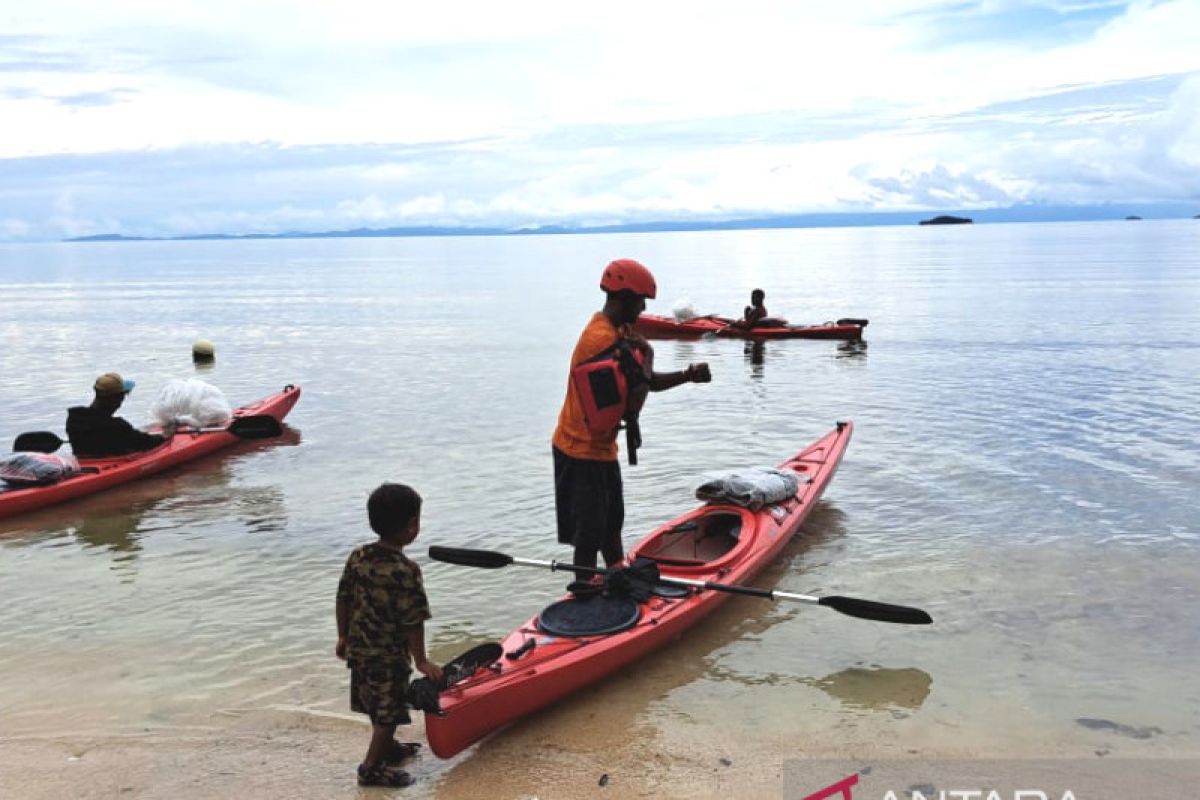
x: 589, y: 500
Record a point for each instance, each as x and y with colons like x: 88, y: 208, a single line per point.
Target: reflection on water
x: 455, y: 637
x: 864, y: 688
x: 876, y: 688
x: 855, y: 350
x: 260, y: 509
x: 684, y: 351
x: 116, y: 533
x: 115, y: 519
x: 755, y: 353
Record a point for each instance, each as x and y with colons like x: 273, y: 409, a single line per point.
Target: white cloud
x: 14, y: 229
x: 253, y: 116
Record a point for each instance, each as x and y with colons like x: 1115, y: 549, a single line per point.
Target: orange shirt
x: 573, y: 436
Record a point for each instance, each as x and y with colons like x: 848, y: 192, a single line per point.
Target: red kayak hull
x: 655, y: 327
x: 556, y: 666
x: 182, y: 447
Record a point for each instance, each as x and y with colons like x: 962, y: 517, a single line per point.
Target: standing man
x: 612, y: 368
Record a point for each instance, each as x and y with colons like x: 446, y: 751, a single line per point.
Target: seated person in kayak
x: 381, y: 613
x: 95, y: 432
x: 755, y: 315
x: 755, y: 312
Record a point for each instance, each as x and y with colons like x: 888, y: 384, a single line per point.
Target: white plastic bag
x: 190, y: 401
x: 683, y: 310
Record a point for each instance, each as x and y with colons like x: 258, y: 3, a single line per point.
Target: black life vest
x: 604, y: 381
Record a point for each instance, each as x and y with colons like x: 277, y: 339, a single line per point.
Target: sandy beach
x: 295, y: 754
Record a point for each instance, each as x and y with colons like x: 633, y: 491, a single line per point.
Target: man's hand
x: 430, y: 670
x: 340, y: 649
x: 697, y: 373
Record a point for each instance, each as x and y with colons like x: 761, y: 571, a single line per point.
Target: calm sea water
x: 1025, y: 467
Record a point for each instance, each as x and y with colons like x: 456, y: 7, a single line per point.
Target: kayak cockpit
x: 704, y: 540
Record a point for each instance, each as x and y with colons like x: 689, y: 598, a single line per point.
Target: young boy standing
x: 381, y: 613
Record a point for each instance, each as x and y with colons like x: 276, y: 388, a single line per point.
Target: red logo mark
x: 842, y: 786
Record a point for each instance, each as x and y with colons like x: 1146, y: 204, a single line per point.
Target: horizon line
x: 833, y: 219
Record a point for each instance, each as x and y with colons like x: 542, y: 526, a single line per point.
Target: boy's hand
x: 340, y: 649
x: 430, y: 670
x: 697, y: 373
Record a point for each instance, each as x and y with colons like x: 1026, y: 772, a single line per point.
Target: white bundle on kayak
x: 190, y: 401
x: 36, y: 469
x: 751, y: 488
x: 683, y: 310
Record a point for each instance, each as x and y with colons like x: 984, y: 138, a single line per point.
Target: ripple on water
x: 1022, y: 473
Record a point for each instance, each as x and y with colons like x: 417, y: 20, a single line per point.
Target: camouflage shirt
x: 382, y: 589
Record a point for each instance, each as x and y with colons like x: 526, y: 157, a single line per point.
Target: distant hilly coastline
x: 829, y: 220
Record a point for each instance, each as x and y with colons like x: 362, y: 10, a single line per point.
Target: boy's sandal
x: 383, y: 775
x: 399, y: 752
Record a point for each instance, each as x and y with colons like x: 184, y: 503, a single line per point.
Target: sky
x: 148, y: 118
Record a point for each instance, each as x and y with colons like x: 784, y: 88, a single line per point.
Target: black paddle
x: 259, y: 426
x: 850, y: 606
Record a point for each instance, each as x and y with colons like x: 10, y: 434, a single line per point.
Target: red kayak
x: 719, y: 543
x: 656, y: 327
x: 102, y: 473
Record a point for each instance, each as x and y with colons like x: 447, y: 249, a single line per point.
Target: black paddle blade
x: 259, y: 426
x: 880, y: 612
x: 37, y: 442
x: 488, y: 559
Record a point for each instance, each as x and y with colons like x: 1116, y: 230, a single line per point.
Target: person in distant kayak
x: 94, y: 431
x: 612, y: 369
x: 755, y: 312
x: 381, y: 613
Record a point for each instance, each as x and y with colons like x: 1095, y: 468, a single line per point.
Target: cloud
x: 107, y: 97
x: 14, y: 230
x: 938, y: 187
x: 1037, y: 24
x: 266, y: 116
x: 19, y: 53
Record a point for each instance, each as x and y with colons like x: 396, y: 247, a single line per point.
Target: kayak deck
x: 722, y: 543
x: 658, y: 327
x: 104, y: 473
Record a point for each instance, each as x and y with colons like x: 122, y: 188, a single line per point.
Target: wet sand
x: 296, y: 754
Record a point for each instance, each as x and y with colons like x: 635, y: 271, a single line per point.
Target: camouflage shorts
x: 378, y: 689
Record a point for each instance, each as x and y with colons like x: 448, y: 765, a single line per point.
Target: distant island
x: 1133, y: 216
x: 108, y: 237
x: 946, y: 219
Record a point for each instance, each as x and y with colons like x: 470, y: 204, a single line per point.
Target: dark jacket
x: 98, y: 435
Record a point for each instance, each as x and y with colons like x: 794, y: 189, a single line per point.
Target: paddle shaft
x: 698, y: 584
x: 258, y: 426
x: 850, y: 606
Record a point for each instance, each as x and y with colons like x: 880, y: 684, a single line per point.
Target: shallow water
x: 1024, y: 467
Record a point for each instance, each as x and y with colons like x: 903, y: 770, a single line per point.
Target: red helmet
x: 625, y: 273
